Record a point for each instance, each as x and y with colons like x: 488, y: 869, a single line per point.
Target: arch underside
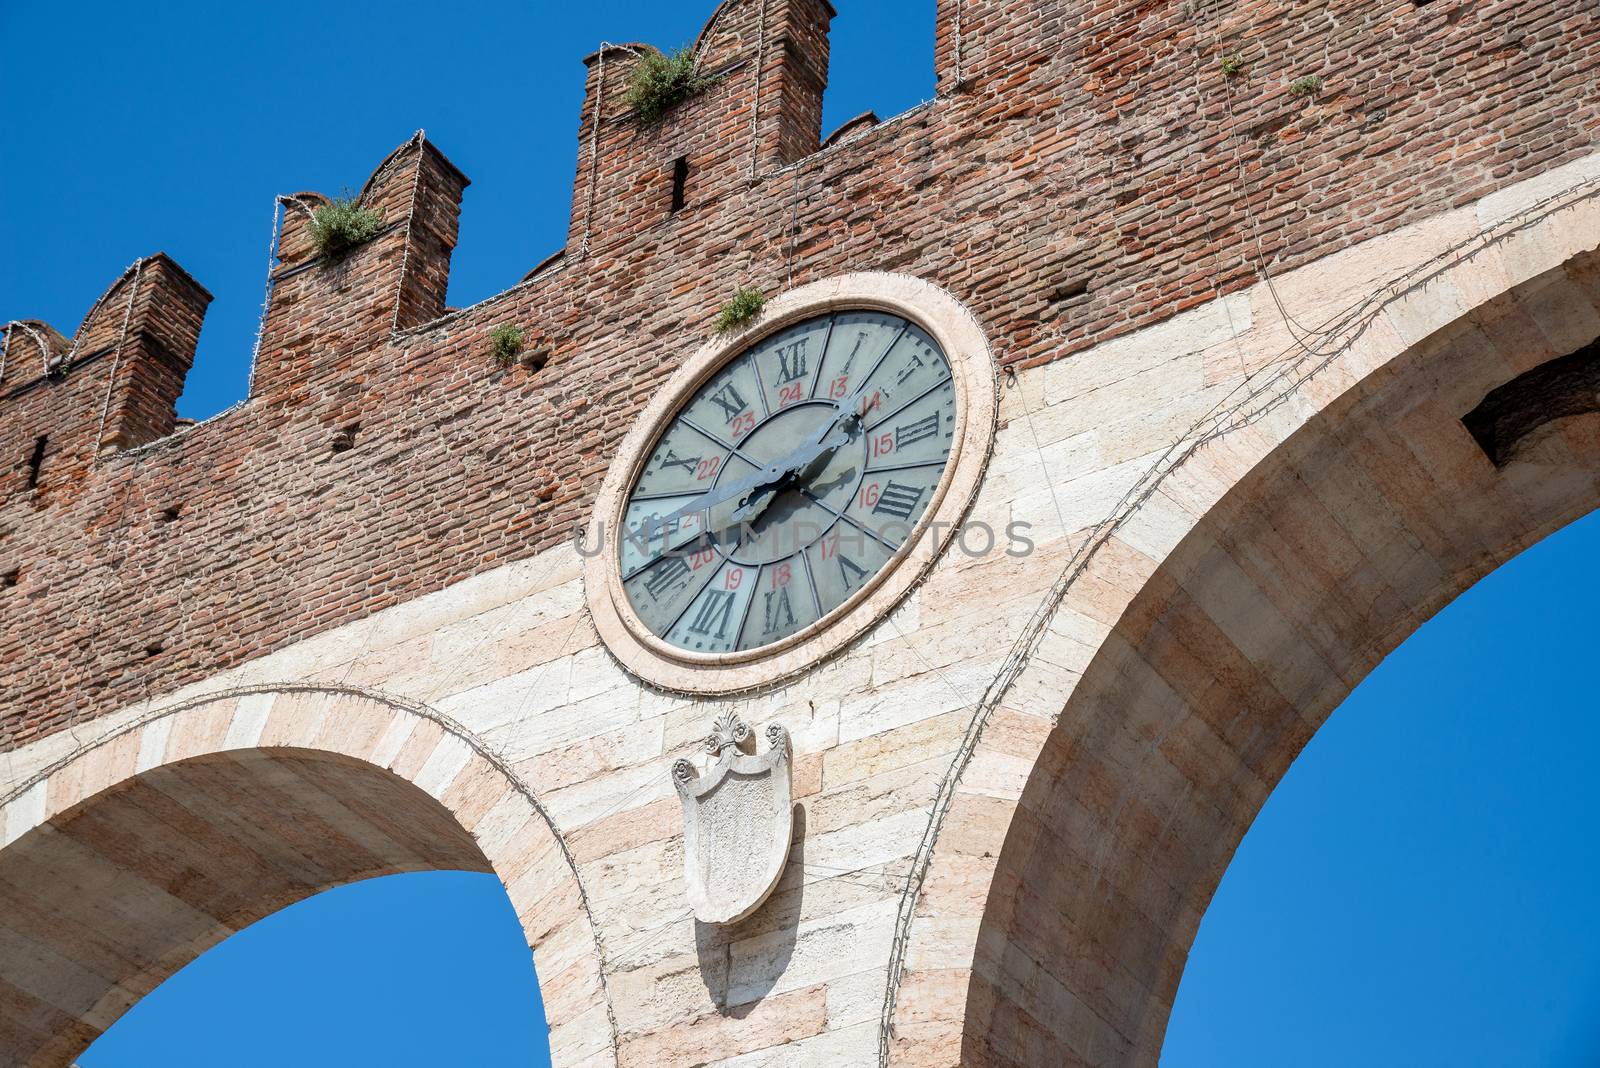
x: 103, y: 902
x: 1377, y: 512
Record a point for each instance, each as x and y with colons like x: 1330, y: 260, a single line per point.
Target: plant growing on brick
x: 1309, y: 85
x: 342, y: 224
x: 505, y: 342
x: 745, y: 305
x: 1232, y: 64
x: 663, y: 80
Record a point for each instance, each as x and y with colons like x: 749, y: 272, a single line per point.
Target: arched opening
x: 1297, y: 575
x: 1420, y: 881
x: 417, y: 968
x: 109, y: 898
x: 135, y: 854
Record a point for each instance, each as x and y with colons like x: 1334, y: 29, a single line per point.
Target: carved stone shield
x: 737, y: 820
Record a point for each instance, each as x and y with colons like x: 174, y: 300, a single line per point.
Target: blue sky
x: 1419, y: 890
x: 133, y: 128
x: 427, y: 969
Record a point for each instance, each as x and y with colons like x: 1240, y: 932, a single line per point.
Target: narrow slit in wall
x: 36, y: 461
x: 680, y: 178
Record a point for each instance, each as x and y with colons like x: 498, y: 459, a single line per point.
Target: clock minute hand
x: 718, y: 494
x: 811, y: 457
x: 849, y: 408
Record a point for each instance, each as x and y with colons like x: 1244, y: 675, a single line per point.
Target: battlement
x: 768, y: 62
x: 323, y: 311
x: 1086, y: 171
x: 113, y: 385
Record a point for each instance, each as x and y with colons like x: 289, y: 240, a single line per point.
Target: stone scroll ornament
x: 738, y: 820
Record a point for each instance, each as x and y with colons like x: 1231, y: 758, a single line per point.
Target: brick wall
x: 1091, y: 169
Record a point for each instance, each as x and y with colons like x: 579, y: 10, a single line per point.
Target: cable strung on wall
x: 956, y: 83
x: 116, y: 359
x: 755, y: 100
x: 38, y: 339
x: 594, y: 141
x: 1263, y: 390
x: 418, y: 139
x: 447, y: 724
x: 266, y: 297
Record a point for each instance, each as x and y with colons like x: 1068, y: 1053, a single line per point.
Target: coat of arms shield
x: 737, y: 820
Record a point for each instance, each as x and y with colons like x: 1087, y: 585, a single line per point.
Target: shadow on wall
x: 742, y: 962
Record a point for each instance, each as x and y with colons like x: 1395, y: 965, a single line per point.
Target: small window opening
x: 154, y: 649
x: 169, y: 514
x: 680, y: 177
x: 10, y: 578
x: 36, y: 461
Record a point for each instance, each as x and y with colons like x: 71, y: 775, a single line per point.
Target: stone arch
x: 1205, y: 631
x: 135, y: 853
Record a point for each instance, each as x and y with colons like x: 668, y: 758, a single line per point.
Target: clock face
x: 787, y: 481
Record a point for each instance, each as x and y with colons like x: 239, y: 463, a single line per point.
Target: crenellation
x: 768, y: 61
x: 324, y: 313
x: 162, y: 330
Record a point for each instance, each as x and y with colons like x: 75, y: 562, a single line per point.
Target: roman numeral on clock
x: 791, y: 362
x: 852, y: 573
x: 776, y: 610
x: 714, y: 612
x: 672, y: 459
x: 897, y: 500
x: 909, y: 369
x: 728, y: 399
x: 861, y: 336
x: 911, y: 433
x: 670, y: 572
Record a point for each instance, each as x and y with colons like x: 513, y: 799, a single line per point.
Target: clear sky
x: 170, y: 126
x: 411, y: 971
x: 1419, y: 890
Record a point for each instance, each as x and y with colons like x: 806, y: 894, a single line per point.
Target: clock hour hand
x: 720, y: 494
x: 773, y: 476
x: 800, y: 465
x: 833, y: 433
x: 811, y: 458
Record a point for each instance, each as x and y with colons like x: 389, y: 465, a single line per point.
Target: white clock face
x: 790, y: 479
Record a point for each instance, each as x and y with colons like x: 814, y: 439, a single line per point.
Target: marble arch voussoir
x: 1147, y: 727
x: 502, y: 828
